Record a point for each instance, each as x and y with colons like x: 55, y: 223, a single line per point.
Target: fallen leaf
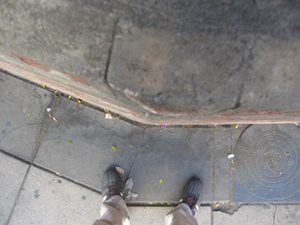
x: 69, y: 97
x: 28, y: 114
x: 79, y: 101
x: 216, y: 205
x: 235, y: 125
x: 44, y: 86
x: 113, y: 147
x: 160, y: 181
x: 55, y: 119
x: 106, y: 111
x: 69, y: 143
x: 50, y: 114
x: 55, y: 92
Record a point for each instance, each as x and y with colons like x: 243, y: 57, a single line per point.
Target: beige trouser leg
x: 114, y: 212
x: 181, y: 215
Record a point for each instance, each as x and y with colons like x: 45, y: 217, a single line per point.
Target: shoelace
x: 113, y: 190
x: 190, y: 200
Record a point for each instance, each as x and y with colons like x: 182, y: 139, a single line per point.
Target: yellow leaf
x: 69, y: 143
x: 55, y: 92
x: 44, y: 86
x: 216, y: 205
x: 113, y: 147
x: 79, y: 101
x: 50, y: 114
x: 235, y: 125
x: 70, y: 96
x: 106, y: 111
x: 29, y: 114
x: 160, y: 181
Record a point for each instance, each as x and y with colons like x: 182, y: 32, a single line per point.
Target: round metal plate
x: 267, y: 161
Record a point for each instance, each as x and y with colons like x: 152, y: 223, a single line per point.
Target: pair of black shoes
x: 191, y: 194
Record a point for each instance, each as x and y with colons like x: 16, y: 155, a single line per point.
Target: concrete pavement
x: 54, y: 151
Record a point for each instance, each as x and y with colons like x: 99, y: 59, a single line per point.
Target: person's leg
x: 114, y: 210
x: 188, y: 205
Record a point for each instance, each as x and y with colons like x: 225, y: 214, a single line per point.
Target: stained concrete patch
x: 174, y: 70
x: 12, y: 173
x: 167, y: 159
x: 248, y: 215
x: 287, y: 214
x: 63, y: 35
x: 58, y: 203
x: 266, y: 166
x: 83, y: 144
x: 156, y: 215
x: 23, y: 111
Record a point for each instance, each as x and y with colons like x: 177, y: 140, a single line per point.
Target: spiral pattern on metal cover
x: 268, y: 164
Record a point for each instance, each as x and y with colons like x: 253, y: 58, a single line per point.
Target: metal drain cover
x: 266, y: 165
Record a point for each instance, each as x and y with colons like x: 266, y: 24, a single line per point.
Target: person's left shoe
x: 111, y: 184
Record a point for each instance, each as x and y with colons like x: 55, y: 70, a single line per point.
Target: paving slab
x: 23, y: 112
x: 167, y: 158
x: 65, y: 35
x: 174, y: 71
x: 266, y: 166
x: 156, y: 215
x: 49, y: 199
x: 12, y: 172
x: 287, y: 214
x: 222, y: 165
x: 248, y: 215
x: 80, y: 145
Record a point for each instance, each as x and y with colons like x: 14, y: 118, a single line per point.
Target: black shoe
x: 192, y: 194
x: 111, y: 184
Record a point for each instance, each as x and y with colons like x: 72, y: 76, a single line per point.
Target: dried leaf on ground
x: 113, y: 147
x: 69, y: 143
x: 160, y: 181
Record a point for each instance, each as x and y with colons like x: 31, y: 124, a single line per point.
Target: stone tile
x: 222, y: 173
x: 148, y: 215
x: 156, y: 215
x: 174, y: 70
x: 203, y: 216
x: 169, y: 155
x: 12, y: 173
x: 247, y: 215
x: 18, y: 131
x: 63, y: 35
x: 92, y: 137
x: 48, y: 199
x: 287, y: 214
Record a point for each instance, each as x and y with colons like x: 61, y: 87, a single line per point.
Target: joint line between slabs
x: 18, y: 195
x: 135, y: 154
x: 45, y: 128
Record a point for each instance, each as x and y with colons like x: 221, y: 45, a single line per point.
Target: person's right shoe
x: 192, y: 194
x: 111, y: 184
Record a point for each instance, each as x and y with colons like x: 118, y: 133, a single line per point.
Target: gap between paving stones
x: 46, y: 122
x: 66, y: 95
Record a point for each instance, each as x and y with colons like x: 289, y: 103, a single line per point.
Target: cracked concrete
x: 190, y: 56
